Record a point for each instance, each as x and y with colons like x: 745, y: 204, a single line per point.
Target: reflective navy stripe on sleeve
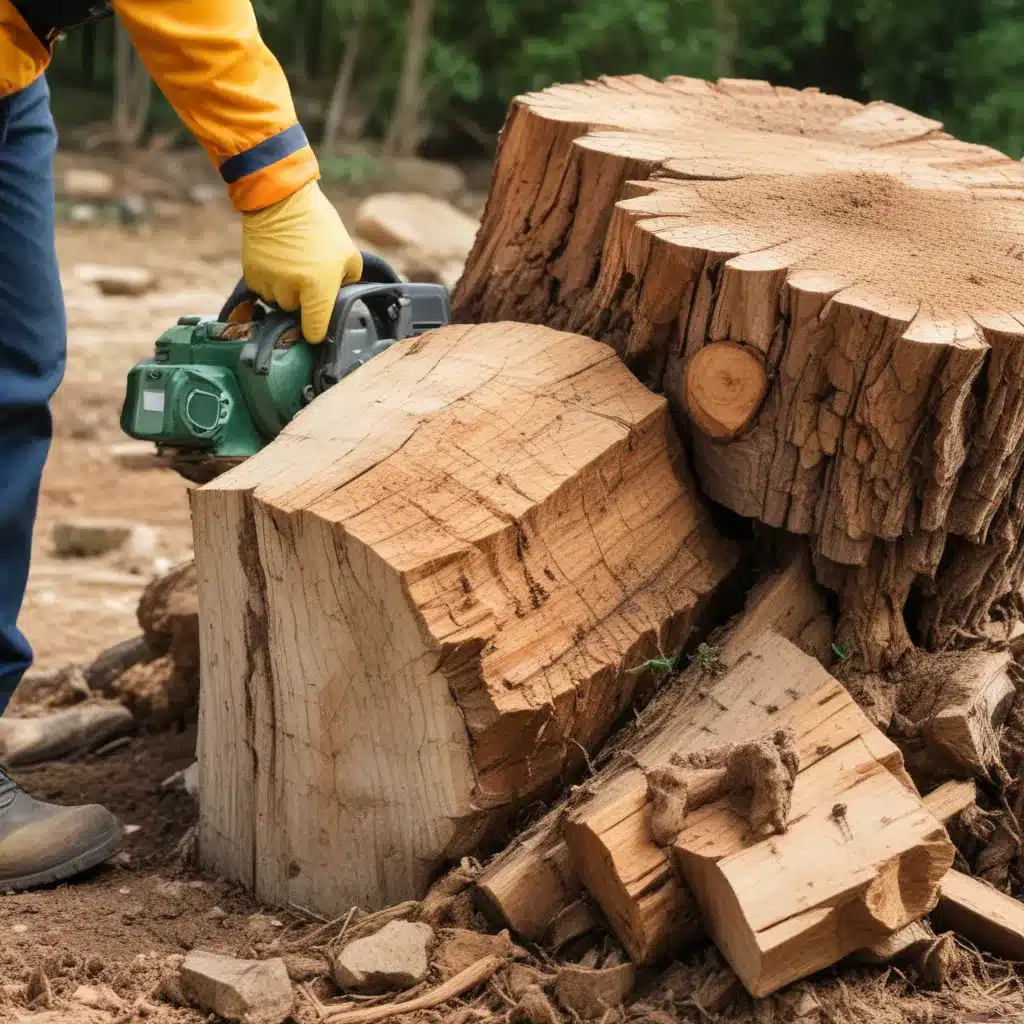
x: 264, y: 153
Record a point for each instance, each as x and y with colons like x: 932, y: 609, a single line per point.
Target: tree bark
x: 428, y: 600
x: 868, y: 260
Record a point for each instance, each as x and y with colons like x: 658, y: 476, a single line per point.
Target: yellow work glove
x: 297, y: 254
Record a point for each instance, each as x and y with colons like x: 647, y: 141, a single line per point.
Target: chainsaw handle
x: 385, y: 300
x: 375, y: 271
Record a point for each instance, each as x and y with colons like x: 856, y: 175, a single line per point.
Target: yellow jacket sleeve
x: 208, y: 59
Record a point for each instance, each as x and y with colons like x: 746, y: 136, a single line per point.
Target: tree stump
x: 427, y: 600
x: 868, y: 264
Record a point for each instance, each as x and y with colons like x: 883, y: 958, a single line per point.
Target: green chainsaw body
x: 220, y: 389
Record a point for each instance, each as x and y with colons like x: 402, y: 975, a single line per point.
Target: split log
x: 859, y: 856
x: 867, y: 259
x: 990, y: 919
x: 952, y: 706
x: 951, y: 799
x: 427, y: 600
x: 638, y: 889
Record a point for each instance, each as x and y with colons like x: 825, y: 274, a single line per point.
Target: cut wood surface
x: 427, y: 599
x: 990, y: 919
x: 860, y: 858
x: 949, y: 799
x: 724, y: 388
x: 869, y: 258
x: 957, y: 702
x: 624, y: 869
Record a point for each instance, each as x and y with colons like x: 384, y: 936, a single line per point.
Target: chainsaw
x: 217, y: 390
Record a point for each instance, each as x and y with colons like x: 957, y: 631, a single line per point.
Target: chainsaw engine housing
x: 220, y: 389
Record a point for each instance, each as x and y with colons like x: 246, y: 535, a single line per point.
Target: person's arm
x: 208, y: 59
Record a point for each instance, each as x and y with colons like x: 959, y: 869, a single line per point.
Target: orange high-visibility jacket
x: 208, y: 59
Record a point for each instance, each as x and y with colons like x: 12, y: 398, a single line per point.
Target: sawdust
x: 758, y: 777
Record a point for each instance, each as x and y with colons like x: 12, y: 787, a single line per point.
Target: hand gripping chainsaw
x: 215, y: 391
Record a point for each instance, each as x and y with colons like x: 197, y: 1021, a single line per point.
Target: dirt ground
x: 118, y: 924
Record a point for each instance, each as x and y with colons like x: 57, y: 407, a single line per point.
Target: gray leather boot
x: 42, y: 843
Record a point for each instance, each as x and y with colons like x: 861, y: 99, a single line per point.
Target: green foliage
x: 959, y: 61
x: 356, y: 169
x: 842, y: 651
x: 709, y: 659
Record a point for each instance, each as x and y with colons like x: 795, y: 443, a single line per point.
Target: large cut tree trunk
x: 427, y: 600
x: 831, y: 295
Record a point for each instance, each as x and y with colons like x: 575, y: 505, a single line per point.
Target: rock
x: 112, y: 662
x: 113, y: 280
x: 431, y: 228
x: 460, y: 948
x: 59, y: 688
x: 216, y: 914
x: 25, y: 741
x: 590, y: 994
x: 137, y: 456
x: 83, y: 213
x: 98, y: 997
x: 87, y: 183
x: 252, y: 991
x: 86, y: 538
x: 138, y: 554
x: 188, y: 780
x: 19, y: 929
x: 261, y: 928
x: 395, y: 958
x: 414, y: 174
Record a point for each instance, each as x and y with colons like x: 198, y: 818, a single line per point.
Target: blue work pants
x: 32, y: 348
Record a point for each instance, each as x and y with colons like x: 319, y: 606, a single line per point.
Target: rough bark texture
x: 873, y: 264
x: 427, y: 600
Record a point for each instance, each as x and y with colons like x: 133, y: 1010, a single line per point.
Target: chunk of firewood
x: 861, y: 856
x: 990, y: 919
x: 950, y: 799
x: 955, y: 703
x: 529, y: 883
x: 427, y: 599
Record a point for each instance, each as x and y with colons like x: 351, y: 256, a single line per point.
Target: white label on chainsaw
x: 153, y: 401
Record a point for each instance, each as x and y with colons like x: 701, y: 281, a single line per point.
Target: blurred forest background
x: 434, y: 77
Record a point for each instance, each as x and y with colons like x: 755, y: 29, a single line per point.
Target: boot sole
x: 66, y: 869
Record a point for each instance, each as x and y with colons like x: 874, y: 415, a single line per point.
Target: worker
x: 209, y: 61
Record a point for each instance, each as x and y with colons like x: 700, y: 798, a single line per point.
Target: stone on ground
x: 430, y: 228
x: 84, y: 537
x: 57, y: 734
x: 98, y: 997
x: 111, y: 280
x: 251, y: 991
x: 395, y: 958
x: 87, y: 183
